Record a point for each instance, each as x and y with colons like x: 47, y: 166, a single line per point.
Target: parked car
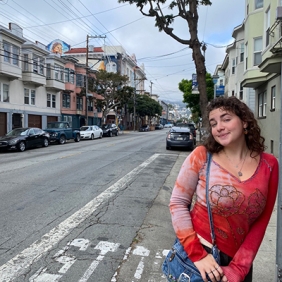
x: 159, y: 126
x: 24, y: 138
x: 90, y: 132
x: 144, y: 127
x: 60, y: 132
x: 192, y: 127
x: 180, y: 137
x: 109, y: 129
x: 168, y: 125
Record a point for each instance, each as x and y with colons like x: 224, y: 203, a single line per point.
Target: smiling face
x: 226, y: 127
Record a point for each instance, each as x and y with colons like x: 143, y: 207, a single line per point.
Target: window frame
x: 258, y: 4
x: 262, y: 103
x: 66, y: 103
x: 79, y: 103
x: 7, y: 51
x: 257, y: 53
x: 273, y: 98
x: 29, y: 96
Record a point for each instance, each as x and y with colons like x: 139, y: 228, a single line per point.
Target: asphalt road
x: 73, y: 212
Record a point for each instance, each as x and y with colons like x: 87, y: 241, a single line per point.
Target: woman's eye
x: 213, y: 125
x: 226, y: 120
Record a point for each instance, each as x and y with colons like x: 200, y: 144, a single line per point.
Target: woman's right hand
x: 208, y: 267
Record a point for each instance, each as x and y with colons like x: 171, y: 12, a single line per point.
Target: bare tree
x: 186, y: 10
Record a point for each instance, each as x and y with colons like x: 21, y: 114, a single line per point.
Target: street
x: 73, y: 212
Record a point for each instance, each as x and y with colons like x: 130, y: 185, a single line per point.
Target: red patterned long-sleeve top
x: 241, y: 209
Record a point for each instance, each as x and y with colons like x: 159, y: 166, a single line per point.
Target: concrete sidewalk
x: 157, y: 235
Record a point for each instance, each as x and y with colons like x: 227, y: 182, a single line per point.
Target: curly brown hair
x: 254, y: 140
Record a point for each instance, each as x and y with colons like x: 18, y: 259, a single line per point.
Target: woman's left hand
x: 208, y: 267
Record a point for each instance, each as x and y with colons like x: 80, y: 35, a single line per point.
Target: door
x: 34, y: 121
x: 32, y: 139
x: 51, y: 119
x: 17, y: 121
x: 3, y: 124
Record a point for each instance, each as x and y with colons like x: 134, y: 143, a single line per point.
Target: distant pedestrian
x: 243, y: 185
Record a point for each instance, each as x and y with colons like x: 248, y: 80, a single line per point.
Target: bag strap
x: 209, y: 157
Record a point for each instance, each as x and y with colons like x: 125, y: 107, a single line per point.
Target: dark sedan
x: 144, y: 127
x: 180, y: 137
x: 109, y: 129
x: 24, y: 138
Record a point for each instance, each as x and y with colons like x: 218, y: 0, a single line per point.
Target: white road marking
x: 104, y: 248
x: 81, y: 243
x: 17, y: 265
x: 41, y: 276
x: 141, y: 251
x: 139, y: 270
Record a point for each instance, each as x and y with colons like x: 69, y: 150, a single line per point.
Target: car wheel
x: 110, y: 134
x: 117, y: 133
x: 92, y: 137
x: 62, y: 140
x: 77, y: 137
x: 168, y: 147
x: 101, y: 135
x: 45, y: 142
x: 21, y: 146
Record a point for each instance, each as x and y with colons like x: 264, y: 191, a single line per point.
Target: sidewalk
x: 157, y: 235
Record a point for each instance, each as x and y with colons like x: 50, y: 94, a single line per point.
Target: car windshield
x: 106, y: 126
x: 55, y: 125
x: 144, y: 126
x: 18, y: 132
x: 85, y: 128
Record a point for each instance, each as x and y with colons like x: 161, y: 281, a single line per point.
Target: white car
x: 90, y: 132
x: 168, y: 125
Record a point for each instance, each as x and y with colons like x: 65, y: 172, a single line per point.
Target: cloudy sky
x: 166, y: 61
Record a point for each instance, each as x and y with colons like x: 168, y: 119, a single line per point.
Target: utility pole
x: 86, y: 82
x: 134, y: 100
x: 151, y: 88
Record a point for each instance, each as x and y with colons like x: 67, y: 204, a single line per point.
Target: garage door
x: 34, y: 121
x: 3, y: 124
x: 52, y: 118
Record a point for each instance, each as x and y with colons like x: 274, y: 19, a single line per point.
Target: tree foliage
x: 193, y: 100
x: 145, y: 106
x: 112, y: 86
x: 186, y: 10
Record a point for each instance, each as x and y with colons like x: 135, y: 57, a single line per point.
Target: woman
x: 243, y: 185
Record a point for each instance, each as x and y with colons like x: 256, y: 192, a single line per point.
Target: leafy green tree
x: 145, y: 106
x: 112, y: 86
x: 193, y: 100
x: 186, y: 10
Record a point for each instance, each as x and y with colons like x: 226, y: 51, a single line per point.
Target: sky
x: 166, y: 61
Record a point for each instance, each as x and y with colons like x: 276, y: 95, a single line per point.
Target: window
x: 246, y: 59
x: 59, y: 73
x: 262, y: 104
x: 68, y: 119
x: 51, y: 100
x: 32, y: 97
x: 29, y: 96
x: 66, y: 100
x: 273, y: 94
x: 48, y: 71
x: 25, y: 59
x: 257, y: 51
x: 7, y: 51
x: 5, y: 91
x: 242, y: 52
x: 233, y: 66
x: 16, y: 52
x: 35, y: 63
x: 241, y: 92
x: 79, y: 80
x: 79, y: 103
x: 258, y: 4
x: 267, y: 27
x: 69, y: 75
x: 90, y: 106
x: 41, y: 65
